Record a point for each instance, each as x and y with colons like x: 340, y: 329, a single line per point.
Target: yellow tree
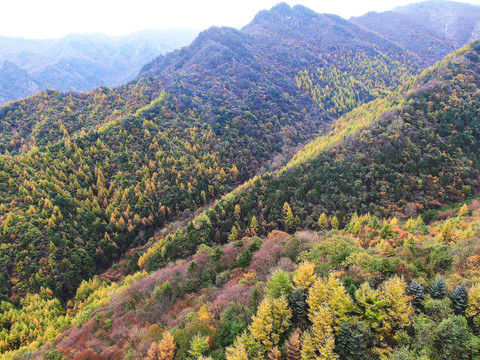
x: 322, y: 333
x: 473, y: 309
x: 330, y: 293
x: 270, y: 322
x: 308, y: 350
x: 399, y: 310
x: 305, y: 275
x: 322, y: 222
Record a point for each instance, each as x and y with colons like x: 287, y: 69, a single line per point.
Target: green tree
x: 278, y: 285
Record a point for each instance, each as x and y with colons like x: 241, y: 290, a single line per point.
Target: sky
x: 56, y: 18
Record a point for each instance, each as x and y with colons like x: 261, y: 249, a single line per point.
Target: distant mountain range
x: 80, y: 62
x: 430, y: 29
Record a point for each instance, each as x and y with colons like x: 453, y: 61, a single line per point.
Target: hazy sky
x: 55, y: 18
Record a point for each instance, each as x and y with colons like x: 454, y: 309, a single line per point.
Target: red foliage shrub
x: 231, y: 292
x: 266, y: 258
x: 88, y: 354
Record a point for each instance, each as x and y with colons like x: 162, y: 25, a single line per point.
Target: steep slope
x: 214, y: 295
x: 96, y: 173
x: 412, y: 151
x: 82, y: 62
x: 430, y: 29
x: 13, y: 78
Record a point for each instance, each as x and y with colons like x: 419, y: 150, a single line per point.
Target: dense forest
x: 85, y: 177
x: 413, y: 151
x: 297, y: 189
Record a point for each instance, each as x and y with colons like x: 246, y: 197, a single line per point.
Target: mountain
x: 430, y: 29
x: 100, y: 171
x: 412, y: 151
x: 131, y: 178
x: 13, y: 78
x: 341, y: 286
x: 82, y: 62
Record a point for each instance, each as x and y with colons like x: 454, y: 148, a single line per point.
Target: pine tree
x: 164, y: 350
x: 153, y: 352
x: 305, y: 275
x: 399, y: 310
x: 415, y: 290
x: 463, y: 210
x: 371, y: 307
x: 460, y: 300
x: 322, y: 222
x: 339, y: 302
x: 294, y: 345
x: 238, y: 351
x: 274, y: 354
x: 254, y: 225
x: 289, y: 218
x: 298, y: 305
x: 322, y: 333
x: 351, y: 343
x: 198, y: 346
x: 439, y: 289
x: 234, y: 235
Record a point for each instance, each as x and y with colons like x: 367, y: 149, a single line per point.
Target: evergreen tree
x: 415, y: 290
x: 308, y: 349
x: 198, y: 346
x: 335, y: 223
x: 278, y: 285
x: 298, y: 304
x: 439, y: 289
x: 269, y: 324
x: 351, y: 343
x: 460, y: 300
x: 305, y: 275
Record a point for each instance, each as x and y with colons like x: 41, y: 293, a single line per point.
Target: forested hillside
x: 413, y: 151
x: 270, y: 192
x: 86, y: 176
x: 380, y: 288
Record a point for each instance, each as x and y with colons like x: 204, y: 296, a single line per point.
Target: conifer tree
x: 289, y: 218
x: 463, y: 210
x: 460, y: 300
x: 439, y: 289
x: 198, y: 346
x: 164, y: 350
x: 274, y: 354
x: 335, y: 223
x: 308, y: 350
x: 270, y: 322
x: 322, y: 222
x: 298, y: 305
x: 351, y: 343
x: 305, y: 275
x: 322, y: 333
x: 278, y: 285
x: 415, y: 290
x: 294, y: 345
